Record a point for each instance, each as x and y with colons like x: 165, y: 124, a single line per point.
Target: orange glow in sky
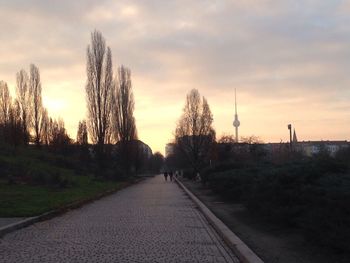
x: 289, y: 61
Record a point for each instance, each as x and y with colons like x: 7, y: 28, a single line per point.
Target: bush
x: 189, y: 174
x: 49, y: 176
x: 311, y: 194
x: 232, y: 184
x: 276, y: 195
x: 327, y: 219
x: 221, y: 167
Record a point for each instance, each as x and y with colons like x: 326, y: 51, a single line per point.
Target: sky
x: 288, y: 59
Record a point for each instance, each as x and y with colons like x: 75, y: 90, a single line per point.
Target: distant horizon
x: 288, y: 61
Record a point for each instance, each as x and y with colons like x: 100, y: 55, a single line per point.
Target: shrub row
x: 313, y: 195
x: 33, y: 172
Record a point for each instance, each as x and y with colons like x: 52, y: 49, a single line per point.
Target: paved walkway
x: 152, y: 221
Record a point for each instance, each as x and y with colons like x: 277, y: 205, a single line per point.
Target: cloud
x: 288, y: 59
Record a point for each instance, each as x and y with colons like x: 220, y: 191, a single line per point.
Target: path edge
x: 244, y: 253
x: 59, y: 211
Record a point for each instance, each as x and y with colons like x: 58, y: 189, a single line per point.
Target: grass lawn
x: 22, y: 200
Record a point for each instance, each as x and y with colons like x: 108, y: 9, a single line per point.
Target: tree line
x: 195, y: 146
x: 110, y: 114
x: 110, y: 105
x: 280, y: 187
x: 110, y: 99
x: 24, y: 119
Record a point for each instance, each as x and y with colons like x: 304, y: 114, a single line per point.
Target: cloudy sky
x: 288, y: 59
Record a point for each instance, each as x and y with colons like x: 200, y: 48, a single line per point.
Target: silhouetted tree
x: 124, y: 122
x: 82, y: 133
x: 5, y: 109
x: 176, y: 159
x: 248, y: 150
x: 10, y: 121
x: 11, y: 126
x: 194, y: 133
x: 156, y: 162
x: 24, y: 102
x: 45, y: 127
x: 53, y: 132
x: 227, y: 138
x: 5, y: 103
x: 224, y: 148
x: 123, y: 112
x: 58, y: 133
x: 36, y: 103
x: 82, y: 141
x: 251, y: 140
x: 14, y: 127
x: 99, y: 90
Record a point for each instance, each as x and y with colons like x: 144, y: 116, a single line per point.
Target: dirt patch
x: 274, y: 244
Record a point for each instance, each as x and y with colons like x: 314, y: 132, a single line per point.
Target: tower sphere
x: 236, y: 122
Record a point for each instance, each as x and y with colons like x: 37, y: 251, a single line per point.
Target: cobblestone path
x: 152, y: 221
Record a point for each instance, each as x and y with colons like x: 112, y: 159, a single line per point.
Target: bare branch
x: 24, y: 102
x: 5, y: 103
x: 123, y: 112
x: 99, y: 89
x: 194, y: 133
x: 36, y: 103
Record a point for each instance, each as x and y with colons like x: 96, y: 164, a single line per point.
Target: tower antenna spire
x: 235, y: 103
x: 236, y: 122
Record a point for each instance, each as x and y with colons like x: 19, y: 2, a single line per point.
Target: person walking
x: 171, y: 175
x: 166, y: 176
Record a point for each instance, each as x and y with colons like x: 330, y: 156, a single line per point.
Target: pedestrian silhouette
x: 171, y: 175
x: 166, y: 176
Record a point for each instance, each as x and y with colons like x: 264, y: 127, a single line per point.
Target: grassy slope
x: 22, y: 199
x: 26, y: 200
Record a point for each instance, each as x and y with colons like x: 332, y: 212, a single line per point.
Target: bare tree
x: 99, y: 89
x: 82, y: 141
x: 124, y: 122
x: 82, y: 133
x: 24, y: 102
x: 11, y: 126
x: 58, y: 134
x: 194, y: 134
x: 156, y: 162
x: 123, y: 112
x: 5, y: 103
x: 45, y: 127
x: 15, y: 125
x: 252, y: 140
x: 227, y: 138
x: 36, y: 103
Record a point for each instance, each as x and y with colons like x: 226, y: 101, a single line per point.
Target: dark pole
x: 290, y: 136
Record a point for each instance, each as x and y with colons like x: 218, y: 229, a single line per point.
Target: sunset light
x: 175, y: 131
x: 288, y: 62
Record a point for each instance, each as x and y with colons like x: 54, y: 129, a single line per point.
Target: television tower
x: 236, y: 122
